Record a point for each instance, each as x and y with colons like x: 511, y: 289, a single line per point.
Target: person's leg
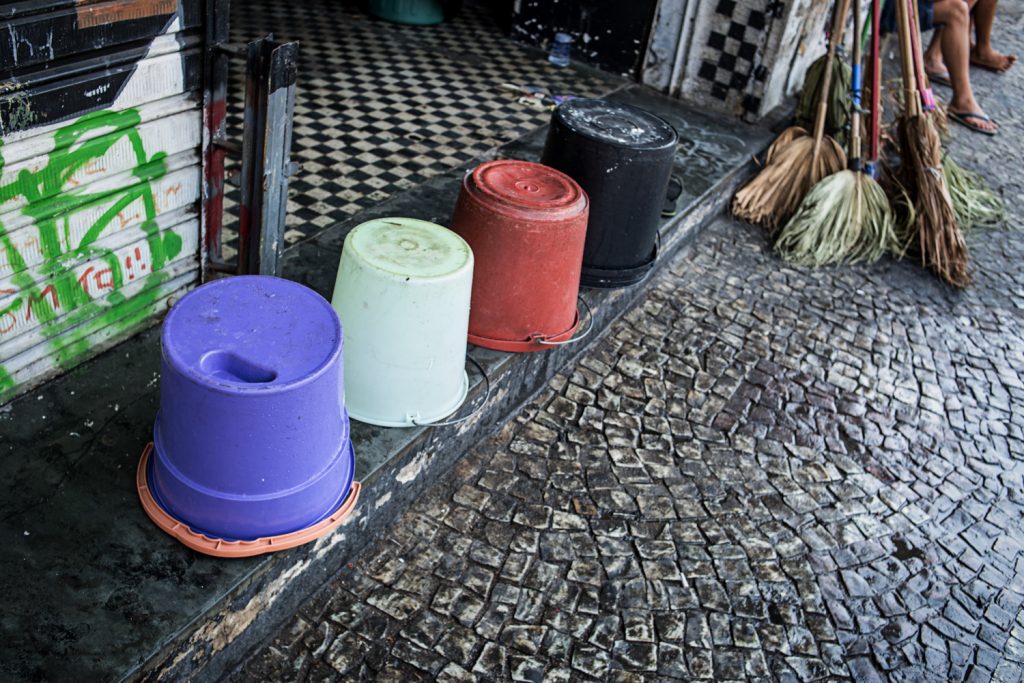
x: 955, y: 18
x: 933, y: 55
x: 983, y: 54
x: 933, y: 63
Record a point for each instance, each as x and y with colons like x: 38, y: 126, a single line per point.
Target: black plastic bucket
x: 622, y: 157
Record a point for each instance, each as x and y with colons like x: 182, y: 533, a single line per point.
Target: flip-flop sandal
x: 940, y: 78
x: 672, y: 194
x: 964, y: 118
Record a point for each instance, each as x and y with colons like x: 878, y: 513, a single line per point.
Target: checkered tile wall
x: 731, y: 67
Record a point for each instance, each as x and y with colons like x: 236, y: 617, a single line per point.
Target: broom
x: 838, y: 103
x: 846, y: 217
x: 975, y: 204
x: 935, y: 230
x: 874, y: 151
x: 930, y: 104
x: 796, y: 161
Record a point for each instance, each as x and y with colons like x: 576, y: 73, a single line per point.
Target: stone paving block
x: 633, y: 656
x: 492, y: 661
x: 590, y: 660
x: 453, y: 673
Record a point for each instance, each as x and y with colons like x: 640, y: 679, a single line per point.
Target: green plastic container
x: 416, y: 12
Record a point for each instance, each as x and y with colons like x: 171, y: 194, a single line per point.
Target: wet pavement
x: 760, y: 472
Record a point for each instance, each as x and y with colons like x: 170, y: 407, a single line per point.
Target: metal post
x: 253, y: 129
x: 266, y: 147
x: 276, y: 154
x: 271, y: 72
x: 215, y: 89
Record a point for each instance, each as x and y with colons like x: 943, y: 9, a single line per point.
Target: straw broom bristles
x: 838, y: 102
x: 902, y: 206
x: 935, y: 231
x: 938, y: 237
x: 975, y: 204
x: 845, y: 218
x: 941, y: 118
x: 785, y: 137
x: 773, y: 196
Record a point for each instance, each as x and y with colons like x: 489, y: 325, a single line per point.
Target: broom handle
x: 927, y: 98
x: 876, y: 79
x: 911, y: 103
x: 838, y: 28
x: 857, y: 83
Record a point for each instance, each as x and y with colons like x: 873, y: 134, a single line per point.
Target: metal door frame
x: 264, y: 153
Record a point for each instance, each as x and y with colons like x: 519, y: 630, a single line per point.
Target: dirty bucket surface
x: 408, y: 248
x: 252, y: 438
x: 617, y: 124
x: 507, y: 184
x: 622, y: 157
x: 403, y: 293
x: 260, y: 337
x: 526, y: 224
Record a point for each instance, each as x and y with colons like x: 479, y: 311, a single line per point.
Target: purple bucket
x: 252, y: 438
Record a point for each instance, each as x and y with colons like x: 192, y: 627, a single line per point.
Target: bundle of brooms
x: 834, y: 215
x: 846, y: 217
x: 796, y: 161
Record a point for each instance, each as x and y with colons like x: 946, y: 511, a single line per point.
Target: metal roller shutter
x: 101, y: 134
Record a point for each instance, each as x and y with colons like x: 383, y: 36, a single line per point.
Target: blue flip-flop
x: 964, y: 118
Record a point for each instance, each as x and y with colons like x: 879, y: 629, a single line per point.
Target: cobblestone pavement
x: 759, y: 473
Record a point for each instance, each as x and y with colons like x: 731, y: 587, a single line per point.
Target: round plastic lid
x: 251, y: 333
x: 407, y: 247
x: 617, y: 124
x: 524, y: 185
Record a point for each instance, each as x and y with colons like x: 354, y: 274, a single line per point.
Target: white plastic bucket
x: 403, y: 293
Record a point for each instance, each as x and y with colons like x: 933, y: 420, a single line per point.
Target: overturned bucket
x: 403, y: 293
x: 251, y: 449
x: 526, y: 224
x: 622, y: 157
x: 414, y: 12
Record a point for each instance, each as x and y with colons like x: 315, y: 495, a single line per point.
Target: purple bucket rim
x: 349, y: 449
x: 159, y: 453
x: 187, y: 371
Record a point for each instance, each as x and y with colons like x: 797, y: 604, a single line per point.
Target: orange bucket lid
x: 219, y: 547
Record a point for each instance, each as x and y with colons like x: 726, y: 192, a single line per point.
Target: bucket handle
x: 464, y: 418
x: 589, y: 315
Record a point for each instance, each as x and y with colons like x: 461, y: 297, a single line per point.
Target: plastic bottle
x: 560, y: 48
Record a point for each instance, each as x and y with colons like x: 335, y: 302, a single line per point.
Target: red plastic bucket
x: 527, y: 225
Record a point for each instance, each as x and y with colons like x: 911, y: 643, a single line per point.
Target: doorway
x: 382, y: 107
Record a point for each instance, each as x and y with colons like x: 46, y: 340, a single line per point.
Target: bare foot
x: 936, y: 65
x: 987, y: 58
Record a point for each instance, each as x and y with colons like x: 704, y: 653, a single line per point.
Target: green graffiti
x: 60, y: 300
x: 6, y: 382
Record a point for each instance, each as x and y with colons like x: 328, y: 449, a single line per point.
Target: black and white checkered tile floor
x: 381, y: 107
